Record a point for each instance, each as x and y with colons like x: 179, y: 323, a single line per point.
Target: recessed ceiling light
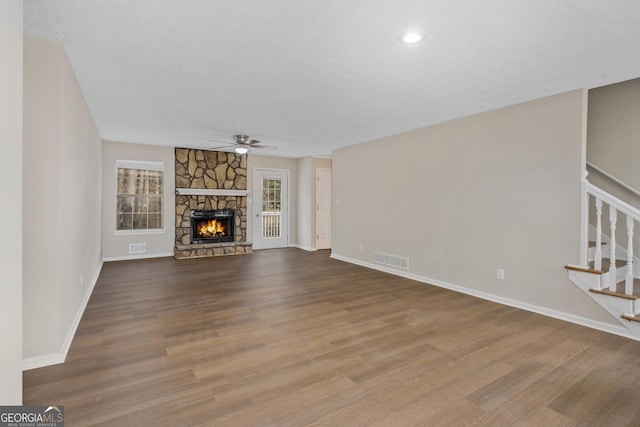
x: 411, y: 38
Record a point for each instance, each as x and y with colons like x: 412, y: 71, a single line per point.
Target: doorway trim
x: 316, y: 216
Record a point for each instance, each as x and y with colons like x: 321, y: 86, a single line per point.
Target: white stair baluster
x: 628, y: 282
x: 613, y: 217
x: 598, y: 255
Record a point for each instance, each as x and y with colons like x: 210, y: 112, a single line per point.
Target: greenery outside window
x: 140, y: 198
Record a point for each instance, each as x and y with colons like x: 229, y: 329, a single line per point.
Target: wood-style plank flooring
x: 286, y: 337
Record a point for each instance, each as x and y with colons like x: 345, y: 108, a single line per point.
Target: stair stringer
x: 615, y: 306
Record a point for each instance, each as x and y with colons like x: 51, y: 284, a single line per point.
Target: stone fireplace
x: 211, y: 204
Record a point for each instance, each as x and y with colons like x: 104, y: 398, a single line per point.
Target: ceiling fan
x: 241, y: 144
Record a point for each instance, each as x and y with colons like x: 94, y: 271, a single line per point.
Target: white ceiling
x: 310, y: 76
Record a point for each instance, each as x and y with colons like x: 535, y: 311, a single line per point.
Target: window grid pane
x: 139, y: 199
x: 271, y: 207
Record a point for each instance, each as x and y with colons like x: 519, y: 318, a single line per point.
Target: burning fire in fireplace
x: 212, y: 228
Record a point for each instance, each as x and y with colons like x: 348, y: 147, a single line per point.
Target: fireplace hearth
x: 212, y: 226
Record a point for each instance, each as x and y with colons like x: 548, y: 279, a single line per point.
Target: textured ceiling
x: 310, y: 76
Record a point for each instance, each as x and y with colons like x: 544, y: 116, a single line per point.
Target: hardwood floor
x: 286, y: 337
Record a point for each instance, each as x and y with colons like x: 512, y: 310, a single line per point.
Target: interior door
x: 323, y: 208
x: 271, y: 209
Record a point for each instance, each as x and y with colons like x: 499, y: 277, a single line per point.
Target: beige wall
x: 613, y: 129
x: 306, y: 225
x: 61, y: 202
x: 11, y: 173
x: 253, y: 162
x: 116, y: 246
x: 495, y: 190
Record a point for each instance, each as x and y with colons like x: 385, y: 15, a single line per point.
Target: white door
x: 271, y: 208
x: 323, y: 208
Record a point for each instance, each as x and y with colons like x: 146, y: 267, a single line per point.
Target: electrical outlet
x: 360, y: 246
x: 500, y: 274
x: 81, y: 282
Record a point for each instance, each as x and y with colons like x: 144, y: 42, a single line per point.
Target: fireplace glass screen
x: 212, y: 226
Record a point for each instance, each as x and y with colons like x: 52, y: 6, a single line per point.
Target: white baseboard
x: 572, y: 318
x: 59, y: 357
x: 42, y: 361
x: 305, y: 248
x: 137, y: 256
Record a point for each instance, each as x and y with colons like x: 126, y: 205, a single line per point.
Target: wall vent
x: 394, y: 261
x: 137, y: 248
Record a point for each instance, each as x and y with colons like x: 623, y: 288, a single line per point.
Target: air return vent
x: 394, y: 261
x: 137, y: 248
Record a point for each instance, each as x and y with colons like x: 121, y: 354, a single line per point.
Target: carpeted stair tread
x: 592, y: 244
x: 606, y: 262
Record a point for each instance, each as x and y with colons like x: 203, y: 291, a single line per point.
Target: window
x: 271, y: 207
x: 139, y: 195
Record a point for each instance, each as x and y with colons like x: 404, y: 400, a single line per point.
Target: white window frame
x: 144, y: 165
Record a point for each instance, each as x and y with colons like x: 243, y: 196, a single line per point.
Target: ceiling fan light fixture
x: 241, y: 150
x: 411, y: 38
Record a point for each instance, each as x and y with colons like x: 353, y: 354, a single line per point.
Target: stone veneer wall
x: 200, y: 169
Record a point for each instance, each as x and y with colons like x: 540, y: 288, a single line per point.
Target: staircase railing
x: 615, y: 206
x: 618, y: 181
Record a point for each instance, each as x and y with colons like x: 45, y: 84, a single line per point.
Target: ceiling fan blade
x: 219, y: 141
x: 227, y: 148
x: 268, y: 147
